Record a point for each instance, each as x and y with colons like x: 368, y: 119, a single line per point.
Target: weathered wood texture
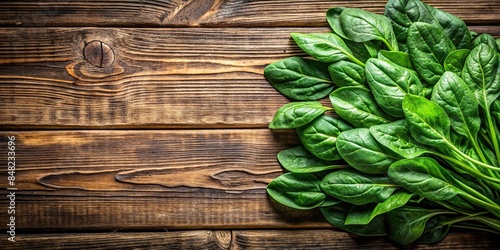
x: 193, y: 70
x: 160, y: 78
x: 238, y: 239
x: 158, y: 13
x: 179, y: 179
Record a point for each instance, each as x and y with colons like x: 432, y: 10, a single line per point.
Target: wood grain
x: 333, y: 239
x: 160, y: 78
x: 222, y: 13
x: 149, y: 179
x: 237, y: 239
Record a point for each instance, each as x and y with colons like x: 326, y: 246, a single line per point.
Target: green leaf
x: 455, y: 61
x: 345, y: 73
x: 428, y: 46
x: 299, y: 160
x: 435, y: 230
x: 486, y: 39
x: 428, y: 122
x: 389, y: 83
x: 296, y: 114
x: 362, y: 152
x: 356, y: 105
x: 320, y: 136
x: 423, y: 176
x: 495, y: 111
x: 356, y: 187
x: 481, y: 73
x: 332, y: 17
x: 454, y: 27
x: 362, y: 215
x: 403, y: 13
x: 300, y: 79
x: 299, y: 191
x: 400, y: 58
x: 407, y: 224
x: 363, y: 26
x: 396, y: 136
x: 336, y: 216
x: 326, y: 47
x: 459, y: 102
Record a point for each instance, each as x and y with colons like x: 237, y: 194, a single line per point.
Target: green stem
x: 355, y: 60
x: 474, y: 227
x: 486, y: 204
x: 466, y: 168
x: 458, y: 151
x: 493, y: 134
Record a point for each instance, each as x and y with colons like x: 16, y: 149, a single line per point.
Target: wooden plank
x: 332, y: 239
x: 160, y: 78
x: 198, y: 239
x: 233, y: 13
x: 238, y: 239
x: 174, y: 179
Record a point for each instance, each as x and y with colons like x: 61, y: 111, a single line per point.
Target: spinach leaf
x: 495, y: 111
x: 428, y: 122
x: 428, y: 46
x: 300, y: 79
x: 357, y: 188
x: 408, y: 223
x: 363, y: 26
x: 299, y: 191
x: 364, y: 214
x: 296, y: 114
x: 435, y: 230
x: 356, y: 105
x: 459, y: 103
x: 336, y: 215
x: 423, y: 176
x: 332, y: 17
x: 320, y: 136
x: 362, y: 152
x: 455, y: 61
x: 345, y: 73
x: 400, y: 58
x: 299, y: 160
x: 396, y: 136
x: 486, y: 39
x: 481, y: 74
x: 403, y: 13
x: 389, y: 84
x: 325, y: 47
x: 454, y: 27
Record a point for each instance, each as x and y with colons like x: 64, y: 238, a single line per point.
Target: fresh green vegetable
x: 412, y: 148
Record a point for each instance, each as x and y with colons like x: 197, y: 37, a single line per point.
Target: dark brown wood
x: 199, y: 239
x: 333, y: 239
x: 182, y: 81
x: 174, y: 179
x: 237, y: 239
x: 227, y: 13
x: 159, y: 78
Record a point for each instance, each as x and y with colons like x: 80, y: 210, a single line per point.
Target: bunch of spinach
x: 412, y: 146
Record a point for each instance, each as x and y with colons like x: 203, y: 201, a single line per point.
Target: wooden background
x: 166, y: 146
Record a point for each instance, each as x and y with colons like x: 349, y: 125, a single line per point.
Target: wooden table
x: 143, y: 124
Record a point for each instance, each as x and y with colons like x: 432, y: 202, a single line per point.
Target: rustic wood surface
x: 143, y: 124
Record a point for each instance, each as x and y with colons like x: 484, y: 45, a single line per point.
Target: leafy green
x: 296, y: 114
x: 320, y: 136
x: 300, y: 79
x: 299, y: 191
x: 413, y: 145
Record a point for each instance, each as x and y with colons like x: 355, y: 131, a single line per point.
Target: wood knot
x: 99, y: 54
